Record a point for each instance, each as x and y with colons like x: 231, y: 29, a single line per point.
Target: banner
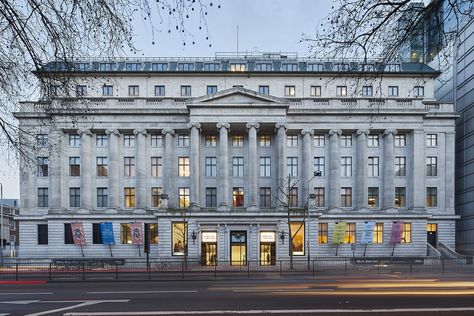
x: 107, y: 232
x: 78, y: 234
x: 397, y: 232
x: 137, y: 233
x: 367, y: 233
x: 339, y: 233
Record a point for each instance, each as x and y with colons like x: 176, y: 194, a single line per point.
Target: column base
x: 139, y: 211
x: 111, y: 211
x: 252, y: 208
x: 194, y: 207
x: 223, y: 208
x: 83, y: 211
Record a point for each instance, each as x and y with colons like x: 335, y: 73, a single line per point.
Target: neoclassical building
x: 212, y: 152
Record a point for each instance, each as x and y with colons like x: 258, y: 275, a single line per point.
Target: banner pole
x: 110, y: 247
x: 337, y: 248
x: 393, y: 249
x: 82, y: 251
x: 365, y: 249
x: 139, y: 252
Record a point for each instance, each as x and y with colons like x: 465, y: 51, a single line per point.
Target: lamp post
x: 311, y: 196
x: 1, y: 224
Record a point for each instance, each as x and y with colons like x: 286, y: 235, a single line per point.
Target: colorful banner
x: 78, y: 234
x: 107, y: 232
x: 137, y: 233
x: 339, y: 233
x: 367, y: 233
x: 397, y: 232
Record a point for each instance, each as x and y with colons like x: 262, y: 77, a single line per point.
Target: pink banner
x: 78, y: 234
x: 397, y: 232
x: 137, y: 234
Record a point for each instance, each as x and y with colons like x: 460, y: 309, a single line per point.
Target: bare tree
x: 180, y: 219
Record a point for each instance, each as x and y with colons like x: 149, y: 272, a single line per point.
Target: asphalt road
x: 302, y: 296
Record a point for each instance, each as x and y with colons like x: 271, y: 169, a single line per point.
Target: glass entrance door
x: 432, y: 233
x: 209, y: 254
x: 267, y: 254
x: 238, y: 248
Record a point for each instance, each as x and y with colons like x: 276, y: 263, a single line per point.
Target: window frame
x: 129, y: 197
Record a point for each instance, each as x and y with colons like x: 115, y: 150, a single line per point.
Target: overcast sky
x: 264, y: 25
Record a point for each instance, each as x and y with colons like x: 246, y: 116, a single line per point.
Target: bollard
x: 83, y: 271
x: 248, y: 270
x: 345, y: 267
x: 281, y: 269
x: 149, y: 270
x: 313, y: 268
x: 16, y: 275
x: 116, y: 271
x: 182, y: 270
x: 215, y: 271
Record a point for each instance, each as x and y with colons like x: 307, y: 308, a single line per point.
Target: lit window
x: 319, y: 200
x: 129, y: 197
x: 350, y: 236
x: 156, y: 166
x: 156, y: 196
x: 153, y: 229
x: 346, y: 197
x: 238, y: 196
x: 315, y: 91
x: 238, y: 140
x: 373, y: 166
x: 74, y: 166
x: 265, y: 166
x: 400, y: 196
x: 406, y: 236
x: 183, y: 167
x: 180, y: 237
x: 125, y: 234
x: 373, y: 197
x: 183, y: 195
x: 129, y: 166
x: 378, y: 233
x: 322, y: 233
x: 298, y: 237
x: 290, y: 91
x: 292, y: 165
x: 431, y: 197
x: 265, y: 140
x: 238, y: 67
x: 210, y: 140
x: 346, y: 166
x: 101, y: 166
x: 341, y: 91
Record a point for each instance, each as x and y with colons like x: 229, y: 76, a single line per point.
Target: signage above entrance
x: 209, y: 237
x: 267, y: 236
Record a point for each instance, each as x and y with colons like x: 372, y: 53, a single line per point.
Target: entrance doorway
x: 267, y: 249
x: 209, y: 248
x: 238, y: 248
x: 432, y: 234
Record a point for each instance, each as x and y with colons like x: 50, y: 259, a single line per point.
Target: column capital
x: 335, y: 131
x: 221, y: 125
x: 84, y: 131
x: 112, y: 131
x: 139, y: 131
x: 390, y: 131
x: 250, y: 125
x: 194, y: 124
x: 307, y: 131
x: 281, y: 124
x: 167, y: 130
x: 363, y: 131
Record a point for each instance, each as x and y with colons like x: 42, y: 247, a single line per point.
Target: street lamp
x: 311, y: 196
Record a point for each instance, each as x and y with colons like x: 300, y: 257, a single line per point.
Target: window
x: 42, y: 197
x: 378, y: 233
x: 42, y: 167
x: 156, y: 140
x: 210, y: 140
x: 322, y: 233
x: 373, y: 197
x: 81, y: 90
x: 55, y: 90
x: 264, y: 90
x: 265, y: 140
x: 346, y: 140
x: 156, y: 196
x: 238, y: 140
x: 156, y: 167
x: 102, y: 169
x: 292, y: 165
x: 373, y: 140
x: 42, y: 140
x: 183, y: 166
x: 319, y: 165
x: 290, y: 91
x: 319, y: 140
x: 263, y: 67
x: 373, y: 166
x: 159, y: 67
x: 74, y: 166
x: 341, y: 91
x: 211, y: 167
x: 211, y: 89
x: 238, y: 166
x: 350, y: 237
x: 133, y: 66
x: 319, y: 199
x: 238, y: 196
x: 400, y: 140
x: 418, y: 91
x: 431, y: 140
x: 346, y: 197
x: 400, y: 196
x: 180, y: 238
x: 393, y: 91
x: 298, y: 234
x: 102, y: 197
x: 129, y: 140
x: 133, y: 90
x: 96, y: 234
x: 160, y: 91
x: 74, y: 140
x: 125, y: 234
x: 211, y: 67
x: 42, y: 234
x: 292, y: 140
x: 238, y: 67
x: 211, y: 197
x: 74, y: 197
x: 400, y: 166
x: 186, y: 67
x: 153, y: 229
x: 293, y: 197
x: 107, y: 90
x: 106, y: 66
x: 265, y: 166
x: 431, y: 197
x: 367, y: 91
x: 289, y: 67
x: 129, y: 197
x: 346, y: 166
x: 406, y: 235
x: 431, y: 166
x: 129, y: 166
x: 265, y: 197
x: 183, y: 140
x: 68, y: 239
x: 183, y: 195
x: 186, y: 91
x: 101, y: 140
x: 315, y: 67
x: 315, y: 91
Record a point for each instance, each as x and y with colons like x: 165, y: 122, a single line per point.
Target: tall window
x: 96, y: 234
x: 129, y: 166
x: 74, y: 166
x: 211, y: 89
x: 373, y: 166
x: 431, y: 166
x: 101, y: 140
x: 418, y: 91
x: 319, y: 140
x: 74, y: 197
x: 315, y: 91
x: 211, y: 197
x: 378, y: 233
x: 400, y: 196
x: 341, y: 91
x: 265, y: 197
x: 393, y: 91
x: 319, y: 200
x: 156, y: 166
x: 237, y: 140
x: 101, y: 166
x: 290, y: 91
x: 406, y: 235
x: 319, y: 165
x: 346, y: 166
x: 185, y: 66
x: 180, y: 238
x: 346, y: 140
x: 160, y: 91
x: 156, y: 196
x: 298, y: 234
x: 238, y: 196
x: 400, y: 140
x: 400, y: 166
x: 263, y: 67
x: 346, y: 197
x: 107, y: 90
x: 42, y: 167
x: 186, y: 91
x: 373, y: 140
x: 367, y: 91
x: 42, y: 140
x: 125, y: 234
x: 238, y: 166
x: 42, y: 197
x: 42, y: 234
x: 265, y: 166
x: 289, y: 67
x: 431, y: 197
x: 156, y: 140
x: 211, y: 66
x: 292, y: 140
x: 68, y: 239
x: 159, y: 67
x: 74, y: 140
x: 102, y: 197
x: 183, y: 140
x: 183, y: 167
x: 350, y: 236
x: 129, y: 197
x: 293, y: 197
x: 265, y: 140
x: 264, y: 89
x: 183, y: 194
x: 238, y: 67
x: 373, y: 197
x: 128, y: 140
x: 210, y: 140
x: 322, y: 233
x: 153, y: 229
x: 211, y: 166
x: 292, y: 165
x: 133, y: 91
x: 431, y: 140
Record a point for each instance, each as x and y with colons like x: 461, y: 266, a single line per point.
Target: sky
x: 264, y: 26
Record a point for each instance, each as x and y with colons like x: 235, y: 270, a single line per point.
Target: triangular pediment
x: 238, y: 95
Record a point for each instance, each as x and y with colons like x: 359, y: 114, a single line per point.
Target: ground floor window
x: 180, y: 238
x: 350, y: 236
x: 125, y: 234
x: 297, y: 234
x: 406, y: 237
x: 68, y: 239
x: 378, y: 233
x: 323, y: 233
x: 42, y: 234
x: 96, y: 234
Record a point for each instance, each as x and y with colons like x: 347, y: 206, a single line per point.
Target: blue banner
x: 367, y: 233
x: 107, y: 233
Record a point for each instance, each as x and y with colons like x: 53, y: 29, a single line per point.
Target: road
x: 298, y: 296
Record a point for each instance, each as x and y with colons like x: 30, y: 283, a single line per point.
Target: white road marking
x: 82, y: 304
x: 19, y: 302
x: 4, y: 314
x: 143, y: 292
x: 27, y: 293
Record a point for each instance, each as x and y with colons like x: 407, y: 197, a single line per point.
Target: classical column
x: 86, y: 169
x: 450, y: 171
x: 361, y: 189
x: 140, y: 176
x: 114, y: 169
x: 223, y: 164
x: 334, y: 169
x: 389, y: 169
x: 418, y: 170
x: 282, y: 166
x: 253, y: 163
x: 307, y: 167
x: 169, y: 163
x: 55, y: 174
x: 195, y: 164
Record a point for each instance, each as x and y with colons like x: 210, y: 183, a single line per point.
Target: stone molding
x: 84, y: 131
x: 255, y: 125
x: 390, y: 131
x: 112, y: 131
x: 335, y: 131
x: 221, y: 125
x: 139, y: 131
x: 363, y: 131
x: 194, y: 124
x: 307, y: 131
x: 167, y: 130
